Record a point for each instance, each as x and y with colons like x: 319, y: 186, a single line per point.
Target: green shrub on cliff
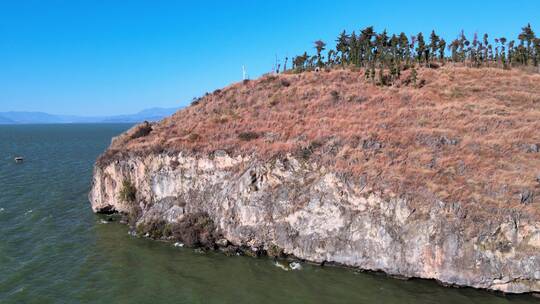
x: 153, y: 229
x: 128, y: 191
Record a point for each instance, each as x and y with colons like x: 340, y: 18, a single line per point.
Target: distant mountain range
x: 152, y: 114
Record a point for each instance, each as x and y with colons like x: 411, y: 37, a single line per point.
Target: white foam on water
x: 295, y: 266
x: 283, y: 267
x: 178, y: 244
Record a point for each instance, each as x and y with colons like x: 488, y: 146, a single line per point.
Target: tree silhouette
x: 536, y: 59
x: 442, y: 46
x: 421, y: 48
x: 527, y: 35
x: 342, y: 46
x: 503, y: 52
x: 353, y: 49
x: 384, y: 56
x: 404, y: 51
x: 320, y: 46
x: 434, y: 44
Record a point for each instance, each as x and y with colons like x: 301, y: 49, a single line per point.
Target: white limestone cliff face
x: 320, y: 216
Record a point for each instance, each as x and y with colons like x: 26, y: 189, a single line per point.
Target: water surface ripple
x: 53, y: 249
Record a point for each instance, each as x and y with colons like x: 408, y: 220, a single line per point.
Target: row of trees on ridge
x: 393, y: 53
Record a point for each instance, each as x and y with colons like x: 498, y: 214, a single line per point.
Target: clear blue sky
x: 111, y: 57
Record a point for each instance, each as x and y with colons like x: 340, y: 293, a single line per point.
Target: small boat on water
x: 19, y: 159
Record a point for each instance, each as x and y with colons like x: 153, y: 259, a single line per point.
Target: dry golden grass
x: 465, y: 136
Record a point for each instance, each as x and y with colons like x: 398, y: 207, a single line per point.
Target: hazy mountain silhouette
x: 21, y: 117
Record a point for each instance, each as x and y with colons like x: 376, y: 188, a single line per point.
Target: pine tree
x: 536, y: 59
x: 320, y: 46
x: 486, y: 48
x: 394, y: 48
x: 342, y: 46
x: 527, y: 35
x: 331, y: 60
x: 365, y: 44
x: 454, y: 47
x: 503, y: 52
x: 511, y: 52
x: 420, y: 49
x: 496, y: 57
x: 434, y: 44
x: 404, y: 50
x: 463, y: 43
x: 474, y: 53
x: 381, y: 43
x: 299, y: 62
x: 353, y: 49
x: 442, y: 47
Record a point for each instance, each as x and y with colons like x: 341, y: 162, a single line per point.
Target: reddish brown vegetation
x: 467, y: 135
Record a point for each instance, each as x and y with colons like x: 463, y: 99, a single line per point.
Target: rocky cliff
x: 270, y: 191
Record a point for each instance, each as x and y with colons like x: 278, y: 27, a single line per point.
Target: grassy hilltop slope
x: 469, y: 135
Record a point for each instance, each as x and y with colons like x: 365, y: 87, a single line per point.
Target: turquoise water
x: 53, y: 249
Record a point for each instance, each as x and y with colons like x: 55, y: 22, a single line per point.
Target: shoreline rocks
x: 291, y: 207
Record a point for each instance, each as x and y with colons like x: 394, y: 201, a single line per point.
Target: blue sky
x: 112, y: 57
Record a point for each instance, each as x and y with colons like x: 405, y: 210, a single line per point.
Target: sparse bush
x: 306, y: 152
x: 269, y: 78
x: 128, y: 192
x: 195, y: 101
x: 141, y: 130
x: 285, y: 82
x: 274, y: 100
x: 193, y: 137
x: 154, y: 229
x: 249, y: 135
x: 195, y: 229
x: 358, y: 99
x: 157, y: 148
x: 335, y: 95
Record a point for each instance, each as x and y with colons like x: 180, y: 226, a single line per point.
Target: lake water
x: 53, y: 249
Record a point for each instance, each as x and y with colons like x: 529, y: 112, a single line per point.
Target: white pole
x: 244, y: 73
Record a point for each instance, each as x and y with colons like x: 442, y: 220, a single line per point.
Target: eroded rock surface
x: 308, y: 211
